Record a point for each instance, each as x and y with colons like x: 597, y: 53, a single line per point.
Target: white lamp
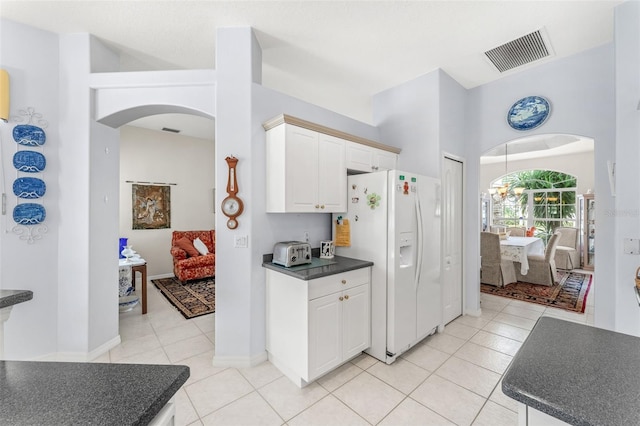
x: 4, y: 95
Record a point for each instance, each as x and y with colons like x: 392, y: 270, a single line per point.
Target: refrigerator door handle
x: 420, y: 237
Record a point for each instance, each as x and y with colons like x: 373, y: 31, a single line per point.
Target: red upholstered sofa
x: 192, y: 266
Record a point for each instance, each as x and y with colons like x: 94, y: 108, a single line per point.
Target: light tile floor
x: 452, y: 378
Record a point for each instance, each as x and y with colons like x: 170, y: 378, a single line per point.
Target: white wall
x: 426, y: 118
x: 579, y: 165
x: 408, y: 118
x: 155, y: 156
x: 240, y: 278
x: 88, y: 178
x: 627, y: 200
x: 31, y: 59
x: 581, y: 91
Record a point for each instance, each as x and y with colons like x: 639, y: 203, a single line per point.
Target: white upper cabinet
x: 307, y: 165
x: 364, y: 158
x: 306, y: 171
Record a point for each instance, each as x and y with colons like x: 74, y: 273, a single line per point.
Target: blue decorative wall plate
x: 29, y: 187
x: 528, y: 113
x: 29, y: 214
x: 29, y: 135
x: 29, y: 161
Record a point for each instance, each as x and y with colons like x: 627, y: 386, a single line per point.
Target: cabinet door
x: 384, y: 160
x: 301, y: 180
x: 356, y: 315
x: 332, y: 176
x: 325, y: 334
x: 359, y: 157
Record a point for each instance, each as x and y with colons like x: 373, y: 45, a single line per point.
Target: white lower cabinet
x: 528, y: 416
x: 314, y: 326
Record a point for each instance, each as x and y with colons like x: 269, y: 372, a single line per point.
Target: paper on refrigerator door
x: 343, y: 234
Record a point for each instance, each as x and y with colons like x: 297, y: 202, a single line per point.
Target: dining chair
x: 567, y: 255
x: 517, y: 231
x: 496, y: 229
x: 493, y: 269
x: 542, y: 268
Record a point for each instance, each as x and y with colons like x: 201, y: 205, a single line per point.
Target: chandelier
x: 502, y: 192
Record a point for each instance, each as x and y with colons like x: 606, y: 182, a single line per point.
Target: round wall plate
x: 528, y: 113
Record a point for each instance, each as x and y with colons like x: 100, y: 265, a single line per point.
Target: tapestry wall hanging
x: 151, y: 205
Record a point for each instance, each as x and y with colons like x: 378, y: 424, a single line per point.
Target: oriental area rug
x: 193, y: 299
x: 569, y: 294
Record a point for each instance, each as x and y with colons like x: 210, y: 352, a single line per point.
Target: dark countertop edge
x: 543, y: 406
x: 532, y: 396
x: 159, y: 382
x: 13, y: 297
x: 343, y: 264
x: 166, y: 396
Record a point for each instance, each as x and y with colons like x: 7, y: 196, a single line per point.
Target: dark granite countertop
x: 579, y: 374
x: 72, y: 393
x: 13, y: 297
x: 319, y: 268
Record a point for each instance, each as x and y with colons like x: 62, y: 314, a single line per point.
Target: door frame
x: 449, y: 156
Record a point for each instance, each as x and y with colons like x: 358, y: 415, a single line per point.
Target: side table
x: 138, y: 265
x: 143, y: 271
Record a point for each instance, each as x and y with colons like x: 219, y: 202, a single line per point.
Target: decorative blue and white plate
x: 528, y: 113
x: 29, y: 214
x: 29, y: 161
x: 29, y: 187
x: 29, y: 135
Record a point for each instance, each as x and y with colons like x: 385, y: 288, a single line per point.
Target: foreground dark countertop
x: 13, y: 297
x: 71, y: 393
x: 579, y: 374
x: 311, y: 271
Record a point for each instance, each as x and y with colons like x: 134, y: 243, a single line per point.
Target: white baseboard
x: 157, y: 277
x: 239, y: 362
x: 473, y: 312
x: 80, y: 356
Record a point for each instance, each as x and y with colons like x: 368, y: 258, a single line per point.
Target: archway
x: 123, y: 98
x: 569, y: 154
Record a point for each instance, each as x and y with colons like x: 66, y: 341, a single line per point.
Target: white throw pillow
x: 199, y: 245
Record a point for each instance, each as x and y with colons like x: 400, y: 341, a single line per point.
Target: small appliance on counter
x: 291, y: 253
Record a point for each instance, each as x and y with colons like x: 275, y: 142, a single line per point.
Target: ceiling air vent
x: 521, y: 51
x: 169, y: 129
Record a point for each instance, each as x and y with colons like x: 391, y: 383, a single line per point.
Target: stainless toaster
x: 291, y: 253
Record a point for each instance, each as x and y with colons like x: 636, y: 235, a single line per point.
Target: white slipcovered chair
x: 567, y: 255
x: 542, y: 268
x: 494, y: 270
x: 517, y: 231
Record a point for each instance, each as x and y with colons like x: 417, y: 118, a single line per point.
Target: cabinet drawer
x: 338, y: 282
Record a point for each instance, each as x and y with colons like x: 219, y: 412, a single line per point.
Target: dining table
x: 518, y: 249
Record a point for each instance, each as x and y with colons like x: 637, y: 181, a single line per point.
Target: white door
x: 384, y: 160
x: 452, y: 188
x: 332, y: 174
x: 428, y: 293
x: 325, y: 334
x: 356, y: 317
x: 402, y: 262
x: 302, y: 169
x: 369, y: 241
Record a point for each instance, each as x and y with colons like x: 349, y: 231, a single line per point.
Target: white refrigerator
x: 394, y: 221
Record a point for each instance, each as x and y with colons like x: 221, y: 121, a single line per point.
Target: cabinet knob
x: 344, y: 281
x: 322, y: 206
x: 317, y: 206
x: 346, y: 297
x: 341, y: 298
